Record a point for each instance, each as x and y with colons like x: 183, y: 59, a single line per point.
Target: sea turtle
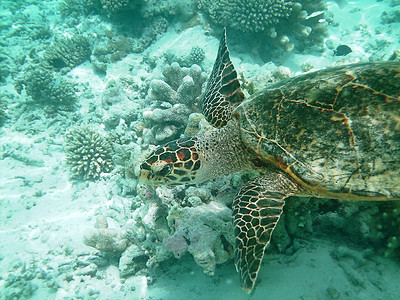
x: 334, y: 133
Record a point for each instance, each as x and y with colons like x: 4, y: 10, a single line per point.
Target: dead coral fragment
x: 105, y: 239
x: 88, y: 153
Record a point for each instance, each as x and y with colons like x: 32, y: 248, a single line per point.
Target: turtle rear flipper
x: 223, y: 92
x: 256, y: 210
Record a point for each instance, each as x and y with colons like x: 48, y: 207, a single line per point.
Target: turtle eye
x: 144, y: 166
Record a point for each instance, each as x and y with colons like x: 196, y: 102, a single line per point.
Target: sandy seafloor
x: 44, y: 214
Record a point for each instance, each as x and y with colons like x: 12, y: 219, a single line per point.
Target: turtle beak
x: 146, y: 177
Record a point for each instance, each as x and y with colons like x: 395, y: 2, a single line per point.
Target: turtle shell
x: 335, y: 131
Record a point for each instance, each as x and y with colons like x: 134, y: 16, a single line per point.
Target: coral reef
x: 175, y: 221
x: 171, y: 100
x: 373, y: 224
x: 73, y: 8
x: 88, y: 154
x: 47, y: 87
x: 19, y: 152
x: 67, y: 53
x: 390, y: 17
x: 105, y: 239
x: 279, y: 24
x: 390, y: 227
x: 168, y: 222
x: 4, y: 65
x: 112, y: 47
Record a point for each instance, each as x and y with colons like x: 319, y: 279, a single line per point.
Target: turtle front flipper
x: 256, y: 210
x: 223, y: 92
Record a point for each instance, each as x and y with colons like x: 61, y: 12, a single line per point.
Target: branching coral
x: 67, y: 53
x: 247, y: 16
x: 88, y: 153
x: 278, y: 23
x: 19, y: 284
x: 47, y: 87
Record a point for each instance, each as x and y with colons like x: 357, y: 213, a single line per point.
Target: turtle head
x: 174, y: 163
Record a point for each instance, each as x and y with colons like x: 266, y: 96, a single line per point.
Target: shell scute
x: 337, y: 129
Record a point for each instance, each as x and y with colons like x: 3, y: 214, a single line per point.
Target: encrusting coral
x: 88, y: 153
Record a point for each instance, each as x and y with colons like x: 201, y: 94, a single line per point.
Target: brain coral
x: 88, y: 153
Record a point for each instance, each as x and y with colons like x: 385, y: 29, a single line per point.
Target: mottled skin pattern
x: 332, y: 133
x: 337, y: 129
